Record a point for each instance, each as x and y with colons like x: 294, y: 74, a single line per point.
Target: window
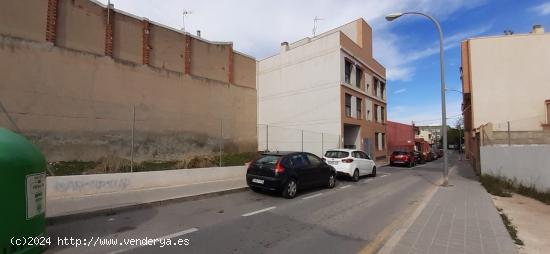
x: 376, y: 82
x: 376, y: 141
x: 376, y: 117
x: 358, y: 77
x: 356, y: 155
x: 347, y: 72
x: 364, y: 156
x: 298, y: 161
x: 382, y: 89
x: 547, y: 112
x: 359, y: 103
x: 314, y: 160
x: 336, y: 154
x: 380, y: 141
x: 382, y: 114
x: 368, y: 114
x: 348, y: 105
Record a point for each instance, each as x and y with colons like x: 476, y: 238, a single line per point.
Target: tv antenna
x: 315, y: 20
x: 185, y: 12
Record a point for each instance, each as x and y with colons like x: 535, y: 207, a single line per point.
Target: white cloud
x: 542, y: 9
x: 400, y: 91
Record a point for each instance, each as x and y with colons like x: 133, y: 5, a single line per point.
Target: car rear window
x: 399, y: 153
x: 267, y: 159
x: 336, y: 154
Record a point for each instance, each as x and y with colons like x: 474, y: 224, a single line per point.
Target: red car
x: 402, y: 158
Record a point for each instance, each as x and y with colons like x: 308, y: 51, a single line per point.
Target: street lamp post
x: 394, y: 16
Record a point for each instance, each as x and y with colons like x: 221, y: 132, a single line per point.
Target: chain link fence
x: 277, y: 138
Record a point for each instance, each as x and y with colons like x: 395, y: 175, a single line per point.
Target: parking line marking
x: 345, y: 186
x: 312, y: 196
x: 259, y: 211
x: 174, y: 235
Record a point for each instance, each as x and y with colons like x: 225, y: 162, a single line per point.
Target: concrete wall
x: 209, y: 60
x: 528, y: 164
x: 76, y: 103
x: 127, y: 39
x: 79, y: 106
x: 510, y: 80
x: 301, y: 86
x: 81, y: 26
x: 18, y: 20
x: 85, y: 193
x: 167, y: 48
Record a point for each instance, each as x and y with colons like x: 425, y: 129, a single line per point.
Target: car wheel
x: 290, y: 189
x: 254, y: 189
x: 373, y: 173
x: 331, y: 181
x: 410, y: 164
x: 355, y: 176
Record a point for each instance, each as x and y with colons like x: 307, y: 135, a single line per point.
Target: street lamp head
x: 392, y: 16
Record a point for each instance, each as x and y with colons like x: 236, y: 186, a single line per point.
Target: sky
x: 408, y: 47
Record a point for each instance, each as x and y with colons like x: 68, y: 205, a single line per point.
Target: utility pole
x: 315, y: 20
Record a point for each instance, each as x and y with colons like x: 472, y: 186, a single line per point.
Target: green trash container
x: 23, y: 195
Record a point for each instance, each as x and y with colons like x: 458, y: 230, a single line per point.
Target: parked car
x: 289, y: 172
x: 419, y: 158
x: 402, y: 158
x: 350, y: 162
x: 440, y: 153
x: 434, y: 155
x: 428, y: 156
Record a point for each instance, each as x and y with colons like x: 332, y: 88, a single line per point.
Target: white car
x: 350, y: 162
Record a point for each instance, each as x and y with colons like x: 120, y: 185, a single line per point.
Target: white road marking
x: 174, y: 235
x: 312, y: 196
x: 383, y: 175
x: 345, y: 186
x: 259, y: 211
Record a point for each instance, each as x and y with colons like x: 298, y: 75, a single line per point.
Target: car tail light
x: 279, y: 168
x: 250, y: 165
x: 347, y: 160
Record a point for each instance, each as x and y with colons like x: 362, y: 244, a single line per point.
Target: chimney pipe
x: 284, y: 46
x: 199, y: 33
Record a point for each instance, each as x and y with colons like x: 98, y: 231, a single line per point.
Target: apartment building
x: 506, y: 89
x: 328, y: 84
x: 431, y: 133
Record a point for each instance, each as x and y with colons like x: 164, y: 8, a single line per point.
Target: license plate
x: 260, y: 181
x: 333, y: 163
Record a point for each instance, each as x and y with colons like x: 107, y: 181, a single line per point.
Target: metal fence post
x: 267, y: 137
x: 509, y: 142
x: 302, y: 140
x: 132, y: 143
x: 221, y: 141
x: 322, y: 143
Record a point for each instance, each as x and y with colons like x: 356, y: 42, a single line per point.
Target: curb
x: 112, y: 211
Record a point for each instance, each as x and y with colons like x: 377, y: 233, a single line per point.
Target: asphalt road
x: 345, y: 219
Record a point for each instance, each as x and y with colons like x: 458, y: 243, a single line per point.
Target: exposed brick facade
x: 187, y: 53
x: 109, y: 17
x: 51, y: 21
x: 146, y: 47
x: 230, y: 65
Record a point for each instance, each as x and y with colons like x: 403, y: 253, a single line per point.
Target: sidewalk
x: 458, y: 219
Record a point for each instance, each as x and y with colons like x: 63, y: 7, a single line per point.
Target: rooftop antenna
x: 185, y: 12
x: 315, y: 24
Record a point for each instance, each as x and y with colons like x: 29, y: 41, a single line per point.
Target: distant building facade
x: 401, y: 137
x: 326, y: 84
x: 506, y: 89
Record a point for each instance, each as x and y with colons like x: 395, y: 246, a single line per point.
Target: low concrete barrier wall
x: 528, y: 164
x: 67, y: 195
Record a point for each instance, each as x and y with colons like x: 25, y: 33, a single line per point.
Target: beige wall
x: 244, y: 71
x: 167, y: 48
x: 510, y: 81
x: 210, y: 60
x: 18, y: 20
x: 78, y: 106
x: 81, y: 26
x: 127, y: 38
